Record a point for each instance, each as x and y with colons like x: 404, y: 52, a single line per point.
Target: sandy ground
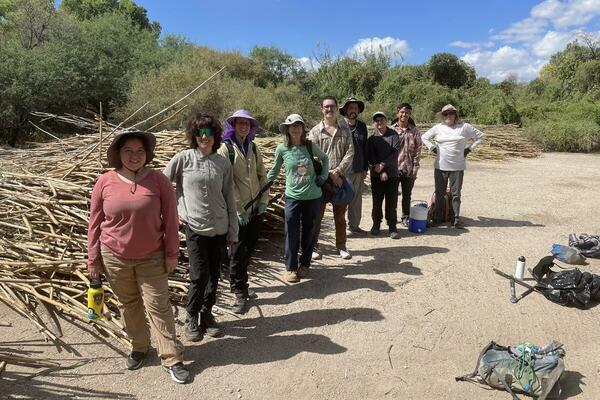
x: 399, y: 320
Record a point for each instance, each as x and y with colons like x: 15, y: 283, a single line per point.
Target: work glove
x: 262, y: 207
x: 434, y: 150
x: 243, y: 218
x: 320, y: 180
x: 467, y: 151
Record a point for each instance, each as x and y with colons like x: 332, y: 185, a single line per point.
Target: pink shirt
x: 133, y: 225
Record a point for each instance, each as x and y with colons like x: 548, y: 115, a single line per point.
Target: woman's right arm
x: 96, y: 218
x: 272, y: 174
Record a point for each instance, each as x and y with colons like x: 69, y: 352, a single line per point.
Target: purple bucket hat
x: 229, y: 130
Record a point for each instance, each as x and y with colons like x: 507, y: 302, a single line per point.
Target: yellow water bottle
x: 95, y: 299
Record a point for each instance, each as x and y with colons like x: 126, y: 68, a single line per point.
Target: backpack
x: 231, y: 152
x: 569, y: 287
x: 588, y: 245
x: 448, y: 211
x: 525, y: 368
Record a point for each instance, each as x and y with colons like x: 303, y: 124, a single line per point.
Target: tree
x: 587, y: 78
x: 272, y: 65
x: 88, y: 9
x: 447, y: 70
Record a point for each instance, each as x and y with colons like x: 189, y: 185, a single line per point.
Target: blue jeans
x: 300, y: 220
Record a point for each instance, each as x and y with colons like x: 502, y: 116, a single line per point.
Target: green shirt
x: 300, y: 177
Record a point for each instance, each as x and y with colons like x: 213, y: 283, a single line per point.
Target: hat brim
x: 112, y: 153
x: 231, y: 120
x: 283, y: 126
x: 361, y: 107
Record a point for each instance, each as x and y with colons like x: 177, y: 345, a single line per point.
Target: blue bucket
x: 417, y: 222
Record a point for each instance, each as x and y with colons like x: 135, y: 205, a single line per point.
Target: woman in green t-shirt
x: 302, y: 193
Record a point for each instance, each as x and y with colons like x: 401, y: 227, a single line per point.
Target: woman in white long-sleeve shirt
x: 449, y: 140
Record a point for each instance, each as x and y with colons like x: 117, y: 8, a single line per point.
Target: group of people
x: 218, y: 190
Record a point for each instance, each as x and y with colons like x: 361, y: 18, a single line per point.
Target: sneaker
x: 208, y: 325
x: 394, y: 234
x: 302, y: 272
x: 291, y: 277
x: 192, y: 331
x: 135, y: 360
x: 404, y: 222
x: 345, y: 254
x: 179, y: 373
x: 457, y: 224
x: 375, y: 230
x: 239, y: 305
x: 252, y: 294
x: 358, y: 231
x: 316, y: 255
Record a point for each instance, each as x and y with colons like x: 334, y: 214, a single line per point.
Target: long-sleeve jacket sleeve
x: 168, y: 203
x: 229, y: 195
x: 346, y: 163
x: 416, y: 156
x: 96, y: 218
x: 262, y: 175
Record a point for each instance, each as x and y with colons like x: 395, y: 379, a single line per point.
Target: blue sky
x: 497, y: 37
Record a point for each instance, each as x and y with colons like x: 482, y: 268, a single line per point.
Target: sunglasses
x: 206, y: 132
x: 445, y: 114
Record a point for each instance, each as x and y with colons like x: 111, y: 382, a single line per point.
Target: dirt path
x: 399, y: 320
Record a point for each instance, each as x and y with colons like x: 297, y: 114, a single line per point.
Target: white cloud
x: 470, y: 45
x: 308, y: 63
x: 396, y: 49
x: 527, y: 30
x: 568, y: 13
x: 552, y: 42
x: 497, y: 65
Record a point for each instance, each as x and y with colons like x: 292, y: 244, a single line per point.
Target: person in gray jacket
x: 449, y: 141
x: 206, y: 204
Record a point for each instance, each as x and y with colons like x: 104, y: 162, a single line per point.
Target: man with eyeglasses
x: 333, y: 136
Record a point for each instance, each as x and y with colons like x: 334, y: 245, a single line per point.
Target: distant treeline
x: 87, y: 52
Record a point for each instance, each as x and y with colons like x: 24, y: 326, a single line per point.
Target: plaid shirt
x: 339, y: 147
x: 410, y: 150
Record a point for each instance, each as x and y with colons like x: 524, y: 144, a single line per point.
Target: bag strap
x: 469, y: 377
x: 230, y: 150
x: 505, y: 384
x: 308, y: 145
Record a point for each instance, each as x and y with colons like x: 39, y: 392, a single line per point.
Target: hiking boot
x: 358, y: 231
x: 375, y: 230
x: 302, y: 272
x: 252, y: 294
x: 457, y: 224
x: 291, y: 277
x: 135, y: 360
x: 209, y: 325
x: 192, y: 331
x: 179, y: 373
x: 316, y: 255
x: 239, y: 305
x: 394, y: 233
x: 345, y: 254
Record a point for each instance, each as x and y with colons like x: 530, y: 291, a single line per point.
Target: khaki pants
x: 355, y: 207
x: 339, y: 218
x: 142, y: 285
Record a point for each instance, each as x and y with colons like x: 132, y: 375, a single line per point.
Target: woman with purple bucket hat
x: 249, y: 178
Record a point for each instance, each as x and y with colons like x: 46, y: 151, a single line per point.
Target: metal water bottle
x: 95, y: 299
x: 520, y: 269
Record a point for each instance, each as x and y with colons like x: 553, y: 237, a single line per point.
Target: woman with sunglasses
x: 206, y: 204
x: 451, y: 146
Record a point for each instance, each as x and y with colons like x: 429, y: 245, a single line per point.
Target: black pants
x: 406, y: 183
x: 241, y: 253
x: 441, y: 183
x: 387, y: 191
x: 205, y: 255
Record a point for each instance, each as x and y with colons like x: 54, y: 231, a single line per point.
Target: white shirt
x: 451, y: 142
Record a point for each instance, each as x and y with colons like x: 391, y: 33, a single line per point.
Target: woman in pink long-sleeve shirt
x: 133, y: 239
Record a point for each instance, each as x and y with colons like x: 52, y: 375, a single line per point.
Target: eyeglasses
x: 206, y: 132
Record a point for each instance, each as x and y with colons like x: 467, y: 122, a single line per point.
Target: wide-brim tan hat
x: 352, y: 99
x: 449, y: 107
x: 112, y: 153
x: 292, y: 119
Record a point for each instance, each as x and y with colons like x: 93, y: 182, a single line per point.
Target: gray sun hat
x: 112, y: 153
x: 291, y: 119
x: 352, y: 99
